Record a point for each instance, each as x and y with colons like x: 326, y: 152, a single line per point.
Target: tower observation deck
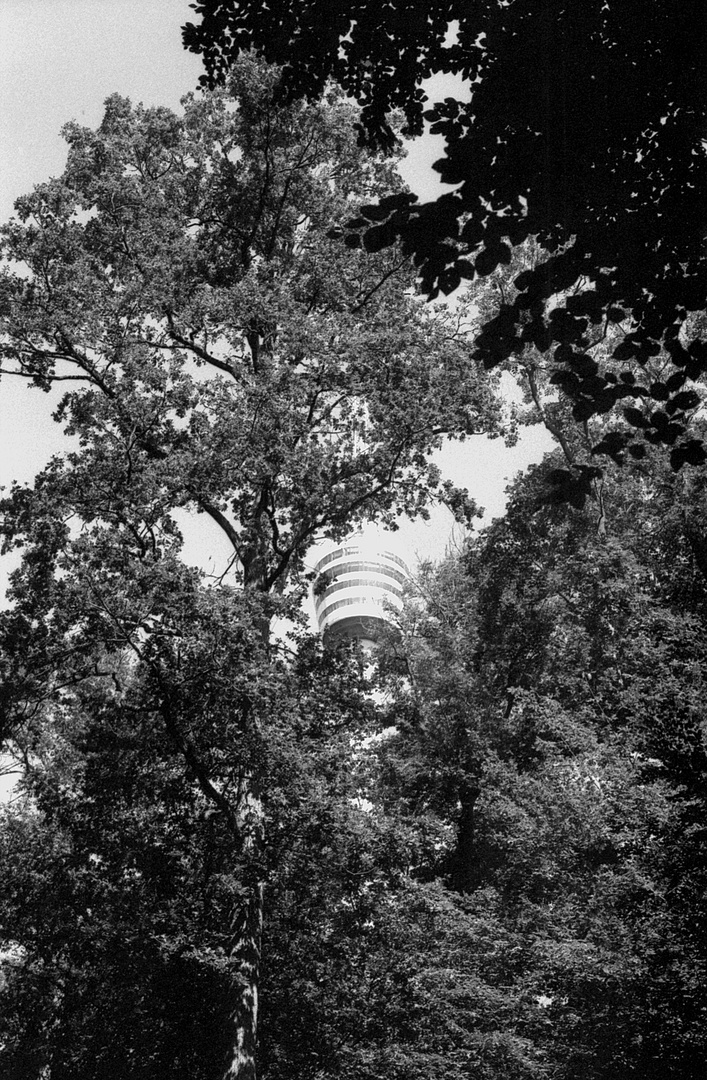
x: 356, y: 586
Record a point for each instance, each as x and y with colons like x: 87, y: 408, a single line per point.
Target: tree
x: 583, y: 127
x: 550, y: 728
x: 229, y: 359
x: 119, y: 875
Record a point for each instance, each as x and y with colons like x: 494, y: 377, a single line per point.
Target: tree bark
x: 247, y: 932
x: 246, y: 929
x: 465, y: 864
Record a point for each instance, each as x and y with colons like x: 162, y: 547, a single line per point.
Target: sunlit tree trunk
x: 247, y: 920
x: 465, y: 867
x: 246, y: 944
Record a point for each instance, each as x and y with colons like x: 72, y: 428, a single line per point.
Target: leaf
x: 637, y: 450
x: 676, y: 381
x: 378, y: 238
x: 687, y: 399
x: 659, y: 391
x: 635, y: 417
x: 689, y: 452
x: 613, y: 444
x: 584, y: 365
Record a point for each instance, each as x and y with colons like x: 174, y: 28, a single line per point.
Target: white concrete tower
x: 356, y: 585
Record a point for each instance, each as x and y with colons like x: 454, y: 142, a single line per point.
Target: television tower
x: 356, y: 587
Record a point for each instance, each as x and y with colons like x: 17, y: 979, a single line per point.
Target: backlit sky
x: 59, y: 60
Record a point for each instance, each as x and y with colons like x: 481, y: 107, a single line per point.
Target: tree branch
x: 190, y: 344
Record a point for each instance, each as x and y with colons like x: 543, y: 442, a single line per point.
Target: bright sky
x: 59, y: 60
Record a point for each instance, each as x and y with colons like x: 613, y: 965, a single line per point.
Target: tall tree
x: 582, y: 124
x: 230, y: 359
x: 550, y: 723
x: 120, y: 874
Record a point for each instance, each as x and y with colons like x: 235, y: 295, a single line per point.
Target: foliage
x: 228, y: 362
x: 549, y: 728
x: 238, y: 362
x: 121, y: 873
x: 487, y: 857
x: 580, y: 125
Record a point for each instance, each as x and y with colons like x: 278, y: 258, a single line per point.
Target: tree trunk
x: 464, y: 864
x: 247, y: 921
x: 246, y: 942
x: 246, y: 933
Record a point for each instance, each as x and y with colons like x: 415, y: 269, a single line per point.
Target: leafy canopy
x: 223, y: 357
x: 228, y: 356
x: 582, y: 124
